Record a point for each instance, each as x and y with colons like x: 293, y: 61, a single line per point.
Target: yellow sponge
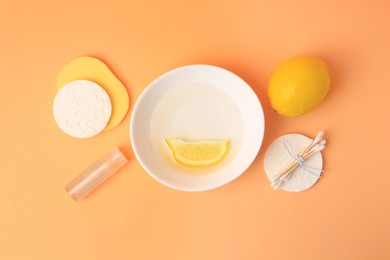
x: 92, y: 69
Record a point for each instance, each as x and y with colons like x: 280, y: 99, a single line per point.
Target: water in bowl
x: 196, y: 112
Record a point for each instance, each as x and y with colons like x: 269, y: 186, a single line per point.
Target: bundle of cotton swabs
x: 315, y: 146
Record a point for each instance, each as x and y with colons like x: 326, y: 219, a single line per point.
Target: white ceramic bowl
x: 197, y: 102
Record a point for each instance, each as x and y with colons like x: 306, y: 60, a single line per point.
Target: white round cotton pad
x: 82, y: 108
x: 277, y: 158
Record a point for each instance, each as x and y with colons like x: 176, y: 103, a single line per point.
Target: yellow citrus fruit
x: 201, y: 153
x: 298, y: 85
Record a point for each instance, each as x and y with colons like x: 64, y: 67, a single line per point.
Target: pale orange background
x: 345, y: 215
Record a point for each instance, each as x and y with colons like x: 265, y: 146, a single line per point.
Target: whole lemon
x: 298, y: 85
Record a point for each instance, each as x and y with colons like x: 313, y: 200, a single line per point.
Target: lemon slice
x: 201, y: 153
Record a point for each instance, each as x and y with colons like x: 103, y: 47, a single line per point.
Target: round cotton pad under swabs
x: 82, y: 108
x: 278, y: 158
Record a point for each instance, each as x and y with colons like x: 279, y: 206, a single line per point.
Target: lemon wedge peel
x: 197, y: 154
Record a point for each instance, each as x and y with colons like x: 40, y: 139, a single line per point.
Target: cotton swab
x: 315, y: 146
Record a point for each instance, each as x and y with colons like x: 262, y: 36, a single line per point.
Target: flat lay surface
x: 132, y: 216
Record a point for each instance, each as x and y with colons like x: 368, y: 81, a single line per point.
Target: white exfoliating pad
x: 277, y: 158
x: 82, y: 108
